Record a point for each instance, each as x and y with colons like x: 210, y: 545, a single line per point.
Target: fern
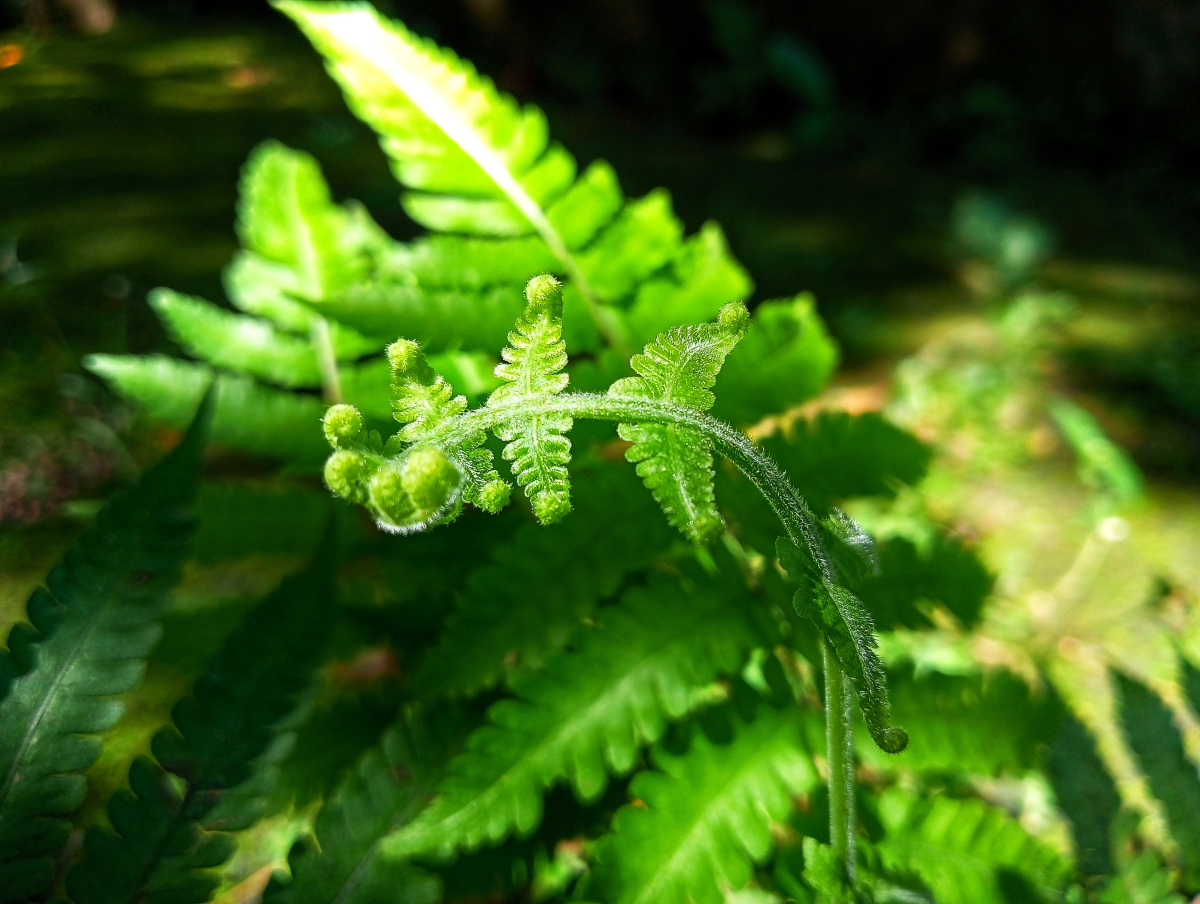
x: 1086, y: 795
x: 945, y: 572
x: 674, y: 460
x: 527, y: 602
x: 90, y: 631
x: 587, y: 712
x: 171, y: 828
x: 1158, y: 746
x: 343, y: 863
x: 706, y: 815
x: 962, y: 848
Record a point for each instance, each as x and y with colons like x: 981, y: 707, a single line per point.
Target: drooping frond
x: 1173, y: 777
x: 847, y: 625
x: 538, y: 448
x: 706, y: 815
x: 344, y: 864
x: 171, y: 827
x: 588, y: 712
x: 674, y: 460
x: 538, y: 587
x: 965, y: 850
x: 90, y: 630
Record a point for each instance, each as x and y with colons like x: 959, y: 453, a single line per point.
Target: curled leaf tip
x: 343, y: 426
x: 416, y: 491
x: 890, y: 740
x: 403, y: 355
x: 734, y: 319
x: 347, y: 474
x: 544, y: 292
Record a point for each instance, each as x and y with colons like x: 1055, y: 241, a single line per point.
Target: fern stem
x: 839, y: 743
x: 331, y: 383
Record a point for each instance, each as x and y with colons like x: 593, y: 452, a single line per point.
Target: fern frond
x: 285, y: 215
x: 707, y: 814
x: 343, y: 863
x: 90, y: 631
x: 538, y: 448
x: 785, y: 359
x: 586, y: 713
x: 848, y: 628
x: 962, y: 848
x: 236, y: 342
x: 170, y: 831
x: 673, y: 460
x: 1156, y: 742
x: 248, y: 415
x: 1086, y: 794
x: 1143, y: 880
x: 524, y: 605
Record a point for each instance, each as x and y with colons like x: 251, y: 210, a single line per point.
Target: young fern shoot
x: 424, y: 474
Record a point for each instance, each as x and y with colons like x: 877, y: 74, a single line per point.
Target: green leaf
x: 978, y: 724
x: 344, y: 863
x: 947, y: 572
x: 706, y: 815
x: 167, y: 834
x: 587, y: 712
x: 1141, y: 881
x: 1158, y: 746
x: 674, y: 460
x: 236, y: 342
x: 248, y: 415
x: 849, y: 630
x: 285, y: 215
x: 1086, y: 794
x: 1103, y: 465
x: 541, y: 585
x: 90, y: 630
x: 537, y: 445
x: 785, y: 359
x: 961, y: 848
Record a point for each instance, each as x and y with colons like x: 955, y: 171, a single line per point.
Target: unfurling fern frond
x: 586, y: 713
x: 825, y: 598
x: 343, y: 864
x: 171, y: 828
x: 533, y: 361
x: 706, y: 815
x: 674, y: 460
x: 525, y: 604
x: 965, y: 850
x: 90, y: 631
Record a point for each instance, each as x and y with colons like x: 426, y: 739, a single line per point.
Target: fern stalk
x: 839, y: 743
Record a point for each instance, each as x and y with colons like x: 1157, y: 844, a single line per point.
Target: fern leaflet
x: 707, y: 814
x: 166, y: 839
x: 344, y: 864
x: 90, y: 631
x: 537, y: 444
x: 675, y: 460
x: 589, y: 711
x: 962, y: 848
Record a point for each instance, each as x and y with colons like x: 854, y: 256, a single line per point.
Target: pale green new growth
x: 674, y: 460
x: 533, y: 361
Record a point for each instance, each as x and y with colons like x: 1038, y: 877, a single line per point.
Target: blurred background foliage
x: 996, y: 206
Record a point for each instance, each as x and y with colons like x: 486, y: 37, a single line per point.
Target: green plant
x: 575, y: 698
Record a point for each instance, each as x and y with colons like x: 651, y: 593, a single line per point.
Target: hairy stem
x: 839, y: 744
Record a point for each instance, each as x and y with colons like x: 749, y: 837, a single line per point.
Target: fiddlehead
x: 436, y: 462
